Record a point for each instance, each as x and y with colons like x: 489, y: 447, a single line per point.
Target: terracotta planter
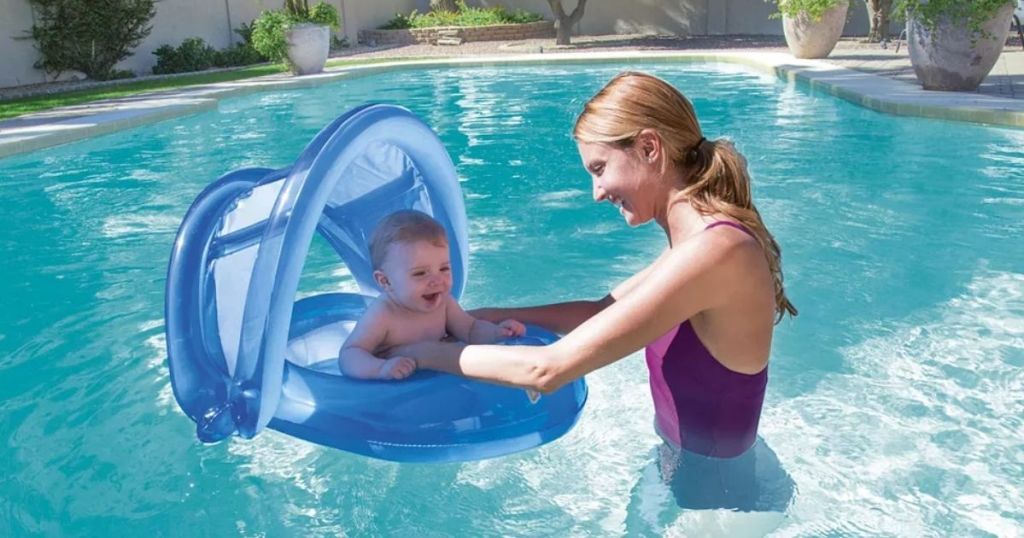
x: 952, y: 57
x: 308, y: 46
x: 808, y: 38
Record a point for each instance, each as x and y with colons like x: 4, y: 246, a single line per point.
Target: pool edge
x: 874, y: 92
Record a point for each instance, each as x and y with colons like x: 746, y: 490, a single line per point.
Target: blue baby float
x: 245, y: 355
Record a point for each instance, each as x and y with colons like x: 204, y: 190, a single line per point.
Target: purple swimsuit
x: 699, y: 404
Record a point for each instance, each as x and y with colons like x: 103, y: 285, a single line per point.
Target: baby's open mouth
x: 431, y: 297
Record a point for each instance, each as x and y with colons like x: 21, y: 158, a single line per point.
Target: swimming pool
x: 894, y: 401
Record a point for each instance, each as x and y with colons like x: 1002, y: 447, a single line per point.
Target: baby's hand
x: 511, y: 327
x: 397, y: 368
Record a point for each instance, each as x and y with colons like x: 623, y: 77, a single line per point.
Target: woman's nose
x: 599, y: 193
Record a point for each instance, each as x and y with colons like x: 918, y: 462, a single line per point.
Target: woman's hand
x: 526, y: 367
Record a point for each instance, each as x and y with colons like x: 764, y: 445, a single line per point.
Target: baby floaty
x: 244, y: 355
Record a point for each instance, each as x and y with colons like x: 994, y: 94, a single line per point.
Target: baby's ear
x: 381, y: 279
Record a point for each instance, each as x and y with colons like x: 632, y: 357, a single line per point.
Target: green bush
x: 88, y: 35
x: 323, y: 13
x: 192, y: 55
x: 268, y: 30
x: 268, y: 35
x: 195, y: 55
x: 815, y: 9
x: 930, y: 12
x: 245, y: 32
x: 237, y: 55
x: 465, y: 16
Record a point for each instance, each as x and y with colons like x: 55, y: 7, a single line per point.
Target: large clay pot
x: 808, y: 38
x: 308, y: 46
x: 952, y: 57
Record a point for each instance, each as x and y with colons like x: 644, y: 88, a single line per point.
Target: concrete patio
x: 868, y: 74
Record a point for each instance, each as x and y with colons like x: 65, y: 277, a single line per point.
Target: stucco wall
x: 676, y: 17
x: 175, y: 20
x: 369, y: 14
x: 16, y: 55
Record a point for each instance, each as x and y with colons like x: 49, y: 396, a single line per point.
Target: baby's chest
x: 408, y: 331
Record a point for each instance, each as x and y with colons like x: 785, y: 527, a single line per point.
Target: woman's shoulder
x: 714, y: 266
x: 721, y: 243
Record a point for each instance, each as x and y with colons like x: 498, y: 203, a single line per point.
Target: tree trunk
x: 564, y: 23
x: 878, y: 16
x: 444, y: 5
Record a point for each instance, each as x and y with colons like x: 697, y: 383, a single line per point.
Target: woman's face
x: 621, y: 177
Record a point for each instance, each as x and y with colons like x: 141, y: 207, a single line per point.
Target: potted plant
x: 812, y: 27
x: 954, y: 44
x: 298, y: 35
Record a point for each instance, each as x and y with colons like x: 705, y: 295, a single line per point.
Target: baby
x: 409, y: 252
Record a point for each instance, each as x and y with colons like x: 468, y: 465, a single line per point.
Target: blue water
x: 895, y: 400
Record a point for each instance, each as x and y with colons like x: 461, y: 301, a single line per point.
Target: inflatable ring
x: 244, y: 355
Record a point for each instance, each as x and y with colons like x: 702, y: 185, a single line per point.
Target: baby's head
x: 411, y: 262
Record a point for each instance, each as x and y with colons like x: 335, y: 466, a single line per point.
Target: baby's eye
x: 419, y: 273
x: 445, y: 269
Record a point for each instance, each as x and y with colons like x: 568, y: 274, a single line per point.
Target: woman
x: 705, y: 309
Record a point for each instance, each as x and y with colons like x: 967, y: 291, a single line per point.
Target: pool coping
x: 69, y: 124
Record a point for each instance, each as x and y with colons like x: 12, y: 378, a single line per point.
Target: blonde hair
x: 404, y: 226
x: 717, y: 179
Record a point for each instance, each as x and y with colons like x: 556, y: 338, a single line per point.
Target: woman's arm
x: 688, y: 280
x: 467, y: 328
x: 562, y: 318
x: 559, y: 317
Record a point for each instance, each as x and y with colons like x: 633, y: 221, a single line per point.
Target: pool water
x: 895, y: 398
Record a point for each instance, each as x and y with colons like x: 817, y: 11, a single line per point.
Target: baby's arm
x: 356, y: 356
x: 471, y: 330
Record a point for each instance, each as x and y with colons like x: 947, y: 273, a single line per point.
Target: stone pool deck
x: 868, y: 74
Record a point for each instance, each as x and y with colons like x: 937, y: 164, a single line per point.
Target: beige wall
x: 175, y: 20
x: 17, y: 55
x: 675, y: 17
x: 213, y: 20
x: 369, y: 14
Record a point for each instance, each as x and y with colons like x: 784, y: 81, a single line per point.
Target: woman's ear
x: 381, y: 279
x: 648, y: 145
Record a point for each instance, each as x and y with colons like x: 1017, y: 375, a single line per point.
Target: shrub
x: 268, y: 35
x: 88, y: 35
x: 268, y: 30
x: 192, y: 55
x: 238, y: 54
x: 195, y: 55
x: 930, y: 12
x: 245, y: 32
x: 814, y: 9
x: 465, y: 16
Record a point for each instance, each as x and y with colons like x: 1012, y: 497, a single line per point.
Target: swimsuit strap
x: 731, y: 224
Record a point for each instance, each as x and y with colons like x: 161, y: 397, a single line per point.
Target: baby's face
x: 419, y: 275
